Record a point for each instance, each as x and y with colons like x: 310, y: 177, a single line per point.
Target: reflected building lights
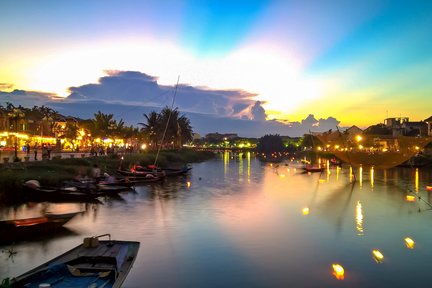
x: 338, y: 169
x: 416, y: 180
x: 361, y: 176
x: 240, y: 167
x: 359, y: 219
x: 248, y: 157
x: 351, y: 175
x: 372, y: 176
x: 226, y: 159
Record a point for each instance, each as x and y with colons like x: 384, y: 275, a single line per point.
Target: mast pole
x: 169, y: 118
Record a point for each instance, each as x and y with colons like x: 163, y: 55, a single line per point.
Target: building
x: 428, y: 121
x: 401, y: 126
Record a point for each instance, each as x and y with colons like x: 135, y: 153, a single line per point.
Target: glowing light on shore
x: 338, y: 271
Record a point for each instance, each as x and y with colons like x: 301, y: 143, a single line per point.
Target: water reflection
x: 240, y: 218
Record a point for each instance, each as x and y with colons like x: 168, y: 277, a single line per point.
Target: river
x: 236, y: 222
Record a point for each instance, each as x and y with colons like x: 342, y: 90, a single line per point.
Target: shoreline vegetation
x: 53, y: 172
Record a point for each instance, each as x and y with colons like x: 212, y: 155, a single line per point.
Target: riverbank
x: 53, y: 172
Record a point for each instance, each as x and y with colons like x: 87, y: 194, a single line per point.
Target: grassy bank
x: 54, y: 172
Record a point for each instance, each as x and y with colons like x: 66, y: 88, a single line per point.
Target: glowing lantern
x: 410, y: 198
x: 188, y: 184
x: 338, y: 271
x: 305, y: 211
x: 378, y: 256
x: 409, y: 243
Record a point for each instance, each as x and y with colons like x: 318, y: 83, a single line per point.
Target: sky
x: 276, y: 65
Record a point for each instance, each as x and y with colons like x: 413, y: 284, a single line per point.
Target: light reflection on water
x: 237, y: 222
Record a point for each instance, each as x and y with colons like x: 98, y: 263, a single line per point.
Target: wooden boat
x: 96, y: 187
x: 16, y: 229
x: 313, y: 168
x: 141, y: 176
x: 35, y: 192
x: 153, y: 169
x: 94, y: 263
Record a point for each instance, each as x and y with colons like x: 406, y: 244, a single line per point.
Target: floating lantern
x: 338, y: 271
x: 410, y: 198
x: 409, y: 243
x: 378, y: 256
x: 305, y: 211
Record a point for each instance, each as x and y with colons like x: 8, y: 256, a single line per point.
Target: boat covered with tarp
x: 94, y: 263
x: 379, y: 151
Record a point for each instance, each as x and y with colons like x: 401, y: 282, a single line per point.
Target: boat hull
x: 104, y: 265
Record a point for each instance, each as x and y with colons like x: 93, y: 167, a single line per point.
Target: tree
x: 169, y: 125
x: 152, y: 127
x: 270, y: 143
x: 102, y: 124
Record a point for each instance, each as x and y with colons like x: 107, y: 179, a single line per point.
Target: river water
x: 235, y: 222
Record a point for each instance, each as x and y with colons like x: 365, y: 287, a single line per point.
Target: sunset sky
x: 356, y: 61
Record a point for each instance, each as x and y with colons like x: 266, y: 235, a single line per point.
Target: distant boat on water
x: 379, y: 151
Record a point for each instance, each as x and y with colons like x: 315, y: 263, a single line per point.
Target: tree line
x: 168, y: 128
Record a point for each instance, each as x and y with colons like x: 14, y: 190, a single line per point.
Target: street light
x: 16, y: 114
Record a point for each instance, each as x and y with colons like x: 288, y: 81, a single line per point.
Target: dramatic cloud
x: 26, y: 98
x: 5, y: 86
x: 128, y: 95
x: 141, y: 89
x: 257, y: 112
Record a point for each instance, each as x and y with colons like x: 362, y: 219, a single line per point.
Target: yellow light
x: 360, y: 147
x: 409, y: 243
x: 143, y: 146
x: 384, y: 150
x: 282, y: 175
x: 322, y: 180
x: 417, y: 148
x: 305, y: 211
x: 359, y: 138
x: 359, y: 218
x: 338, y: 271
x: 378, y: 256
x: 410, y: 198
x: 188, y: 184
x: 3, y: 143
x: 337, y: 146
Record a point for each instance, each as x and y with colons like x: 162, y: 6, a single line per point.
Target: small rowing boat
x: 95, y: 263
x: 16, y: 229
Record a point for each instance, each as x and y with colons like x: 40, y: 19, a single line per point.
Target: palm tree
x: 185, y: 130
x: 102, y: 124
x: 152, y: 128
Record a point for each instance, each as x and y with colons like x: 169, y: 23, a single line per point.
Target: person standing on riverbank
x: 35, y: 151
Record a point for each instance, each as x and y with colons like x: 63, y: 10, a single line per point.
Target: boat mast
x: 169, y: 118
